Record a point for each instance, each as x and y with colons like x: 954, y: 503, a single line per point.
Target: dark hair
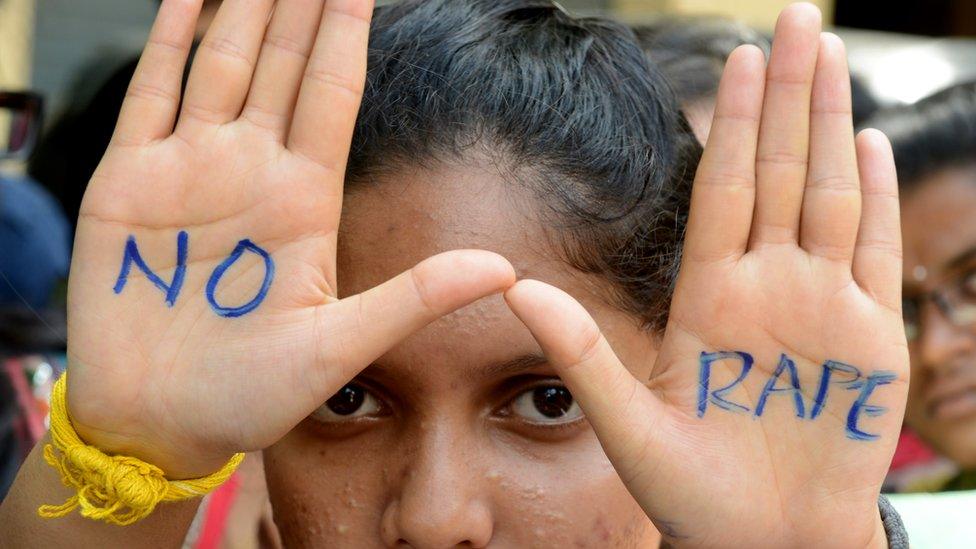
x: 692, y: 50
x: 935, y: 133
x: 569, y: 107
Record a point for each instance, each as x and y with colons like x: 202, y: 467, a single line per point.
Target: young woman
x: 751, y: 399
x: 935, y: 149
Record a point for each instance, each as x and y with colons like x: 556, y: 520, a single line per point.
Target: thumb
x: 624, y: 413
x: 353, y: 332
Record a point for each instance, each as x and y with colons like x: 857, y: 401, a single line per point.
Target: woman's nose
x: 439, y: 502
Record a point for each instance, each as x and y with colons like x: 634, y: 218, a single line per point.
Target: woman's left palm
x: 776, y: 399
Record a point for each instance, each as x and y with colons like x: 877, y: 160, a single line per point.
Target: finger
x: 224, y: 63
x: 725, y: 185
x: 616, y: 404
x: 328, y: 102
x: 357, y: 330
x: 781, y: 162
x: 284, y: 55
x: 832, y: 199
x: 878, y: 253
x: 153, y: 98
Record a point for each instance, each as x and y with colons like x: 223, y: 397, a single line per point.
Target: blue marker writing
x: 131, y: 255
x: 874, y: 380
x: 830, y: 367
x: 717, y: 397
x: 242, y: 246
x: 784, y: 364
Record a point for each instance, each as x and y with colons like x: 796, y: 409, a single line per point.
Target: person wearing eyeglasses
x: 934, y: 143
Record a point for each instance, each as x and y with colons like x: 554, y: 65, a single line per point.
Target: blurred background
x: 905, y: 49
x: 64, y: 50
x: 64, y: 65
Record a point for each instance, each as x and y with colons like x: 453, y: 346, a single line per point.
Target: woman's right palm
x: 183, y: 377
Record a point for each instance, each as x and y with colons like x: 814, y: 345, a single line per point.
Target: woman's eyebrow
x: 515, y: 366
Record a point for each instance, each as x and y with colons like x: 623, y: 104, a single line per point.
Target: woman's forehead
x: 392, y: 223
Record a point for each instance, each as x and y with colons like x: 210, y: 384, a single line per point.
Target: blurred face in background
x: 939, y: 228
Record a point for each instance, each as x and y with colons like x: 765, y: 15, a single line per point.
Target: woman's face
x: 940, y: 253
x: 462, y: 434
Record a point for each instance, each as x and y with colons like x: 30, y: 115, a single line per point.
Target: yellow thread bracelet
x: 116, y: 489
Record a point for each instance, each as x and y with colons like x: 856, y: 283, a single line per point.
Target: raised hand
x: 776, y: 399
x: 203, y: 317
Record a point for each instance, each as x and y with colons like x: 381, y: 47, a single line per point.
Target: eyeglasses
x: 956, y: 300
x: 20, y: 123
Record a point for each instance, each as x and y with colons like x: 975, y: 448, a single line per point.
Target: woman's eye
x: 351, y: 402
x: 547, y: 404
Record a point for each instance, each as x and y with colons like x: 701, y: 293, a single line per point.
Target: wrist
x: 123, y: 430
x: 178, y: 462
x: 119, y: 489
x: 113, y: 434
x: 879, y: 540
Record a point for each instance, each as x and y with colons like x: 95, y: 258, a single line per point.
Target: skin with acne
x: 449, y: 459
x: 450, y: 429
x: 940, y: 242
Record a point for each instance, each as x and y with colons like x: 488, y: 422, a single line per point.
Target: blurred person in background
x: 691, y: 52
x: 934, y: 143
x: 33, y: 231
x: 34, y: 255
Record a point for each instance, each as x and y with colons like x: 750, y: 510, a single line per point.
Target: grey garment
x: 894, y: 527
